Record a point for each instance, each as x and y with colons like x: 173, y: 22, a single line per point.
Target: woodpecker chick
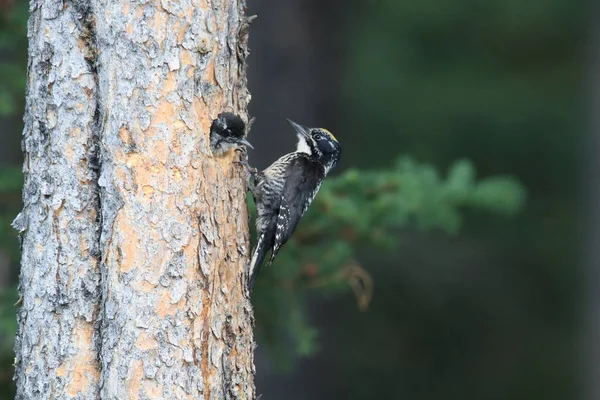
x: 227, y: 132
x: 285, y: 189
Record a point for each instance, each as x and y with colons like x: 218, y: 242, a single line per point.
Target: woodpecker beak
x: 301, y: 130
x: 245, y: 143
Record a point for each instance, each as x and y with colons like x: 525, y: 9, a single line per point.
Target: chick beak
x: 245, y: 143
x: 300, y: 129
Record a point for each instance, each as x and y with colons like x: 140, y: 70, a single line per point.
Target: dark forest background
x: 467, y: 303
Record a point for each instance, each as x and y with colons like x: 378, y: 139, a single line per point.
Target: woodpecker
x: 227, y: 132
x: 283, y: 191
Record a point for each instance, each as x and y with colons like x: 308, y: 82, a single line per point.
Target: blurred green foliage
x: 13, y: 56
x: 491, y: 79
x: 356, y: 210
x: 8, y: 327
x: 8, y: 322
x: 492, y: 313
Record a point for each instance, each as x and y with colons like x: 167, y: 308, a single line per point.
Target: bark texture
x: 56, y: 346
x: 135, y: 238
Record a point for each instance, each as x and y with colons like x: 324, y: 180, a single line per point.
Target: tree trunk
x: 56, y: 345
x: 134, y: 238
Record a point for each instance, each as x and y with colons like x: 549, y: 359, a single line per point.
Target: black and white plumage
x: 284, y: 191
x: 227, y: 132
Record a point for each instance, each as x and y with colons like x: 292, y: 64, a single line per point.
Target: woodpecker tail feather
x: 257, y: 259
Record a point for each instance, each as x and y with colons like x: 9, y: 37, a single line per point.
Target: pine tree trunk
x: 134, y: 238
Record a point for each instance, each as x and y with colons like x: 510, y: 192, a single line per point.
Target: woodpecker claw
x: 243, y: 161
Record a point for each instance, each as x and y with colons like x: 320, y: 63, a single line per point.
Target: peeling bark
x: 133, y: 259
x: 56, y: 345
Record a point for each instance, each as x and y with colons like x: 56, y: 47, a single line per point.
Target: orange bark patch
x: 61, y: 371
x: 179, y: 125
x: 165, y: 112
x: 209, y: 71
x: 125, y: 135
x: 75, y: 132
x: 136, y: 374
x: 128, y: 248
x: 83, y: 336
x: 176, y: 176
x: 210, y: 174
x: 202, y: 114
x: 148, y: 190
x: 161, y: 150
x: 190, y: 71
x: 81, y: 378
x: 164, y: 306
x: 84, y: 362
x: 152, y: 389
x: 146, y: 341
x: 182, y: 32
x: 69, y: 154
x: 159, y: 25
x: 132, y: 160
x: 169, y: 84
x: 145, y: 286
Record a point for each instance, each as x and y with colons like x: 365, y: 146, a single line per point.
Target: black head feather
x: 319, y: 143
x: 227, y: 131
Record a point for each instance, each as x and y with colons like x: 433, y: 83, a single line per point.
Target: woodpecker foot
x: 243, y: 161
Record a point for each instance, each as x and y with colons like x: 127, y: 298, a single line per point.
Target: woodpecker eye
x: 318, y: 136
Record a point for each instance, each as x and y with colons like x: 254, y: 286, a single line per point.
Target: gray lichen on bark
x: 152, y: 215
x: 56, y: 344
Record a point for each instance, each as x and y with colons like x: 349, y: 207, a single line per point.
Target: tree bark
x: 56, y: 344
x: 134, y: 237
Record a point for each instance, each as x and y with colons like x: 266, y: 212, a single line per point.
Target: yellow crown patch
x: 330, y: 134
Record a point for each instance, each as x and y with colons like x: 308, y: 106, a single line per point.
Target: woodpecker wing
x: 303, y: 180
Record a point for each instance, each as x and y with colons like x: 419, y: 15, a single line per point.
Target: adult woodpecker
x: 283, y: 191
